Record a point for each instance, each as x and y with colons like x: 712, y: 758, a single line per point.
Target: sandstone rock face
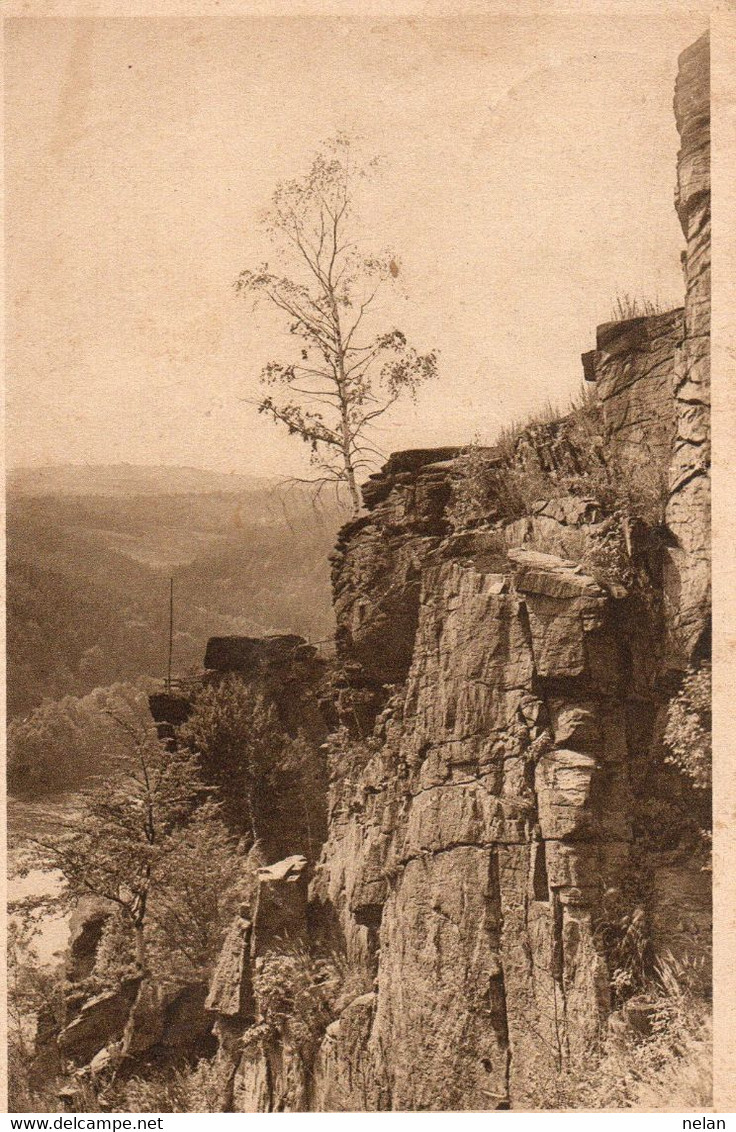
x: 230, y: 993
x: 285, y: 674
x: 633, y: 367
x: 248, y: 655
x: 688, y: 511
x: 495, y: 804
x: 166, y: 1017
x: 377, y: 563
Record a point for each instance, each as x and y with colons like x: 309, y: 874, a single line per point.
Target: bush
x: 688, y: 731
x: 666, y: 1065
x: 198, y: 1088
x: 296, y: 993
x: 622, y: 934
x: 272, y: 783
x: 299, y: 993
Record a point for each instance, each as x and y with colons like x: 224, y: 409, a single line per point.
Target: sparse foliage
x: 668, y: 1068
x: 300, y: 993
x: 626, y: 305
x: 688, y: 731
x: 347, y: 370
x: 557, y: 459
x: 236, y: 733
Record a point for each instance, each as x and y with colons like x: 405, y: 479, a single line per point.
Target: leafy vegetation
x: 64, y: 742
x: 270, y: 779
x: 663, y: 1064
x: 32, y: 989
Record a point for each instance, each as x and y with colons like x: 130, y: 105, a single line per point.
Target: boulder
x: 167, y: 1015
x: 101, y: 1020
x: 231, y: 990
x: 280, y: 910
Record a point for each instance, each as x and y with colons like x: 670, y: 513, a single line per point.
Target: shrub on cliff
x: 663, y: 1064
x: 688, y: 731
x: 269, y: 780
x: 625, y: 306
x: 149, y: 842
x: 557, y: 459
x: 299, y: 993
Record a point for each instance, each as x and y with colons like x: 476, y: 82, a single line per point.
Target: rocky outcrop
x: 376, y: 567
x: 476, y: 837
x: 496, y: 772
x: 100, y: 1021
x: 633, y: 367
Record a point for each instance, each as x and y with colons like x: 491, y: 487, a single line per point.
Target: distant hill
x: 127, y: 479
x: 88, y: 578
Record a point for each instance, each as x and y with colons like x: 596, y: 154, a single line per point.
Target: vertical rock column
x: 688, y: 510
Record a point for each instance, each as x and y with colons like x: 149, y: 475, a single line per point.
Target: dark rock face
x: 167, y: 1017
x: 280, y: 912
x: 249, y: 655
x: 377, y: 563
x: 100, y: 1021
x: 86, y: 926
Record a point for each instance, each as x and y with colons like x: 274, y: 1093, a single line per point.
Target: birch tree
x: 348, y: 368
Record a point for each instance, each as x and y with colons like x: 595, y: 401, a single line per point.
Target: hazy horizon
x: 529, y: 179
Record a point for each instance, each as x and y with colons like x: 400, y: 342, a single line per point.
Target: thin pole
x: 171, y: 632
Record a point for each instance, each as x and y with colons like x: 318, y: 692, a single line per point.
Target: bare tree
x: 349, y: 371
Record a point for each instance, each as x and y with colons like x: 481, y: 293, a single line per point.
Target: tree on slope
x: 348, y: 369
x: 138, y: 841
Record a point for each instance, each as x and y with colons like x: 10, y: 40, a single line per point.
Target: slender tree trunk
x: 344, y: 419
x: 141, y: 952
x: 349, y: 471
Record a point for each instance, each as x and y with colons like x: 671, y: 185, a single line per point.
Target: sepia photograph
x: 359, y: 562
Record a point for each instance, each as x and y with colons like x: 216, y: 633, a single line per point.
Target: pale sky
x: 528, y: 178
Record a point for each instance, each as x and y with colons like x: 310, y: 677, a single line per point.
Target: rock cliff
x: 497, y: 803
